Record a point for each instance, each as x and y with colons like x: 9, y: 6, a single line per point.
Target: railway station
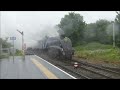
x: 60, y: 45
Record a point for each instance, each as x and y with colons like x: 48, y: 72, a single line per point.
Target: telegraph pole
x: 113, y: 35
x: 13, y: 50
x: 22, y: 41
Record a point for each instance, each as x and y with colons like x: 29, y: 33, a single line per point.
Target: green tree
x: 89, y: 33
x: 73, y: 25
x: 97, y: 32
x: 4, y: 43
x: 117, y: 21
x: 100, y: 31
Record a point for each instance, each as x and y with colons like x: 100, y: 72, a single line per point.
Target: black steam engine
x: 59, y: 48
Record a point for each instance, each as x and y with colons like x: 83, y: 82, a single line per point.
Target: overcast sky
x: 37, y: 24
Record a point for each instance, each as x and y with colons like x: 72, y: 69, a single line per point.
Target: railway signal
x: 22, y: 43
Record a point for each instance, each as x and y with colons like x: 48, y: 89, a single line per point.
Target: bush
x: 98, y: 51
x: 18, y: 53
x: 93, y: 46
x: 3, y: 56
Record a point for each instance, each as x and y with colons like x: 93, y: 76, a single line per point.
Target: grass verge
x: 97, y: 52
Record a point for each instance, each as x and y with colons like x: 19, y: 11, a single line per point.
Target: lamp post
x: 0, y: 36
x: 22, y: 43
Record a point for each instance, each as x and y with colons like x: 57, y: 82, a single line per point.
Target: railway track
x: 81, y: 72
x: 86, y: 70
x: 95, y: 72
x: 108, y: 72
x: 70, y: 70
x: 110, y: 68
x: 65, y: 66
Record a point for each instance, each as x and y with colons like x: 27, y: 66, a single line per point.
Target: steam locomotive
x: 55, y: 47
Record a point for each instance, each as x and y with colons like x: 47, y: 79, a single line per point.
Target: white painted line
x: 57, y: 67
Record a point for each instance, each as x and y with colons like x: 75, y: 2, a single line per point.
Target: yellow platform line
x: 49, y: 74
